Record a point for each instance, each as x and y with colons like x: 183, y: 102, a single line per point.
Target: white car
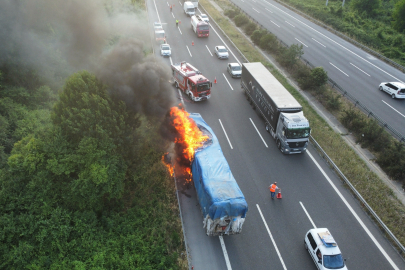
x: 323, y: 249
x: 157, y: 26
x: 235, y: 70
x: 205, y: 18
x: 221, y: 52
x: 165, y: 50
x: 394, y: 89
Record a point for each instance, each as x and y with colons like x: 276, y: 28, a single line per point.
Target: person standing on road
x: 170, y: 8
x: 273, y: 188
x: 177, y: 22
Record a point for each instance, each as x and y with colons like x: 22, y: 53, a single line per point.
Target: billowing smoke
x: 109, y: 38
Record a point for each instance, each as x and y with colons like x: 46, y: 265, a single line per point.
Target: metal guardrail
x: 358, y: 195
x: 344, y: 93
x: 327, y: 158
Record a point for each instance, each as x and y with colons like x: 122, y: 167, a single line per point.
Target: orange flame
x: 188, y: 138
x: 190, y: 135
x: 168, y: 165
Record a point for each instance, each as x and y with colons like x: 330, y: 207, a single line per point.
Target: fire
x: 188, y: 138
x: 189, y: 134
x: 167, y: 164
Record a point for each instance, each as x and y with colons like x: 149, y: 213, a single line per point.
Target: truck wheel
x: 278, y: 144
x: 176, y: 84
x: 393, y: 96
x: 190, y: 96
x: 268, y: 128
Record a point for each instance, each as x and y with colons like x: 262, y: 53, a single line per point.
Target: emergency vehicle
x: 323, y: 249
x: 189, y: 80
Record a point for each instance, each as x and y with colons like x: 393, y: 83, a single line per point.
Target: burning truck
x: 222, y: 203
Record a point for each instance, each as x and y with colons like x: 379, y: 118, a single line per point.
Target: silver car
x: 235, y: 70
x: 221, y: 52
x: 205, y: 18
x: 165, y: 50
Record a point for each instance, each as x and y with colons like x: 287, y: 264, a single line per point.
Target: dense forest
x: 82, y: 185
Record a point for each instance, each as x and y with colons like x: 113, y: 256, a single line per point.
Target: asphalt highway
x: 313, y: 196
x: 356, y: 71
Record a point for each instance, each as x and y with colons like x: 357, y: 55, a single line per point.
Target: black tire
x: 381, y: 88
x: 278, y: 144
x: 190, y: 97
x: 305, y: 245
x: 268, y: 128
x: 393, y: 96
x: 176, y: 84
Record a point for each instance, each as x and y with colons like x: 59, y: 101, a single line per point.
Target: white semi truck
x: 282, y: 113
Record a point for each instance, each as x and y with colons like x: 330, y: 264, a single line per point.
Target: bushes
x: 268, y: 42
x: 231, y: 13
x: 257, y: 35
x: 249, y: 28
x: 241, y: 20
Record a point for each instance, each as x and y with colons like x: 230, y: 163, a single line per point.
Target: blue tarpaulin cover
x: 218, y: 193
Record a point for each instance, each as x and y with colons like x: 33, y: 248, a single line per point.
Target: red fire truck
x: 189, y: 80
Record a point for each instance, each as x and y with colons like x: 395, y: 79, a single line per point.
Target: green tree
x: 370, y: 7
x: 257, y: 35
x: 319, y: 76
x: 291, y: 55
x: 398, y: 16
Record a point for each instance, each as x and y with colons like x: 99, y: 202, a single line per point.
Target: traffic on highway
x: 315, y: 204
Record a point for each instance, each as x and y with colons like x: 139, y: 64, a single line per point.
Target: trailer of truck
x: 189, y: 80
x: 222, y: 203
x: 282, y: 113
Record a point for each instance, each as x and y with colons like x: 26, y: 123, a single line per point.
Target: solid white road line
x: 368, y: 62
x: 227, y: 81
x: 338, y: 69
x: 225, y: 134
x: 228, y: 263
x: 310, y: 219
x: 180, y: 3
x: 189, y: 51
x: 269, y: 10
x: 258, y: 132
x: 393, y: 108
x: 318, y: 42
x: 208, y: 50
x: 290, y: 24
x: 301, y: 42
x: 181, y: 97
x: 256, y: 10
x: 171, y: 62
x: 271, y: 237
x: 354, y: 214
x: 178, y: 27
x: 360, y: 69
x: 157, y: 13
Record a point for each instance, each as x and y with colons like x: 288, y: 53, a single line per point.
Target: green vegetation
x: 82, y: 188
x: 82, y: 185
x: 380, y: 197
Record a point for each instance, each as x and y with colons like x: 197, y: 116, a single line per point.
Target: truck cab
x: 292, y: 128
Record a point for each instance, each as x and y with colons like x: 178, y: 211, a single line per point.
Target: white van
x: 189, y: 8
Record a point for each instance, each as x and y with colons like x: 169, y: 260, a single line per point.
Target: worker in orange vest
x: 170, y: 7
x: 273, y: 188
